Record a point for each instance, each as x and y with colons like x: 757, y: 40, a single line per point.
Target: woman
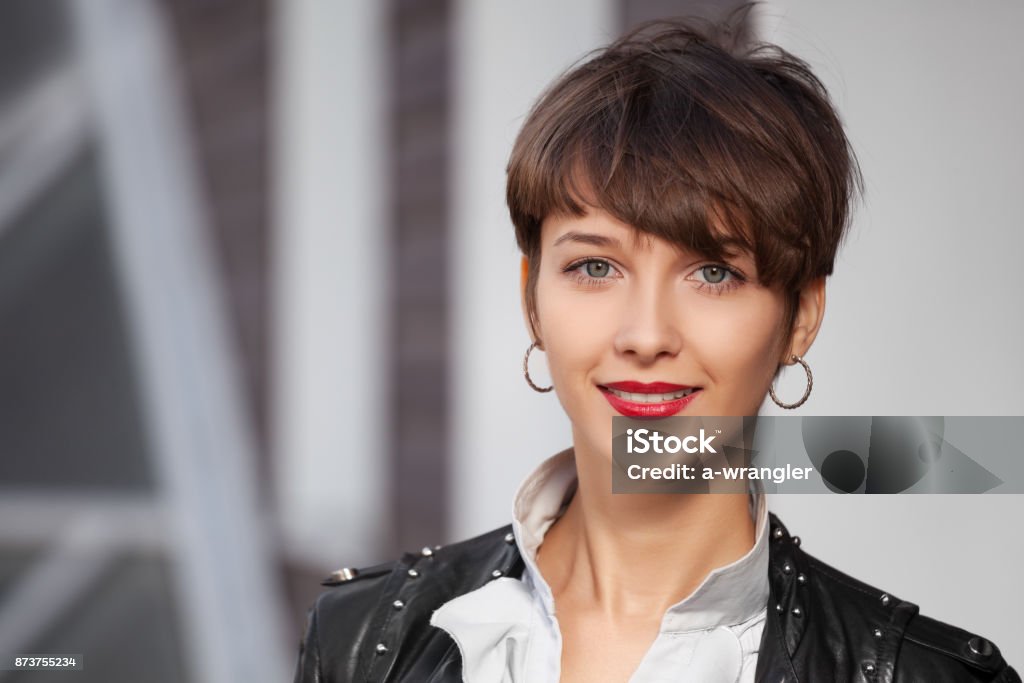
x: 679, y: 203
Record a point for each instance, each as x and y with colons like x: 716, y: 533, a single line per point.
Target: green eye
x: 713, y: 274
x: 597, y: 269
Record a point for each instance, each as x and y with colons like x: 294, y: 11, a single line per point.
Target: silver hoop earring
x: 810, y: 383
x: 526, y: 370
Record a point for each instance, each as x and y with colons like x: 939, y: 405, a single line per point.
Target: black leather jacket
x: 822, y: 625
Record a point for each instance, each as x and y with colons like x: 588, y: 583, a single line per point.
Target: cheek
x: 576, y: 336
x: 574, y: 333
x: 739, y: 349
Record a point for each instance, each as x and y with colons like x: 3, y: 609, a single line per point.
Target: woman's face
x: 611, y: 310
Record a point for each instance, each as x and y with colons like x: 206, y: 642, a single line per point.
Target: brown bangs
x: 682, y: 135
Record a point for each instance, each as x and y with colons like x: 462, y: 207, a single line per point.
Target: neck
x: 634, y: 555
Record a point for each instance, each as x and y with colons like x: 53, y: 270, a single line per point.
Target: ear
x: 810, y: 312
x: 524, y: 271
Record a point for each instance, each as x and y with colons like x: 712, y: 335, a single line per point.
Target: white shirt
x: 507, y: 630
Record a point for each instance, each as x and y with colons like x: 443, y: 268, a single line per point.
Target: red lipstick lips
x: 633, y: 399
x: 647, y: 387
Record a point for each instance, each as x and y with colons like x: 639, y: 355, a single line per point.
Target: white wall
x: 923, y: 314
x: 330, y: 279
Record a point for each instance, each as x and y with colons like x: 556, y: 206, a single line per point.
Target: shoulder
x: 441, y: 570
x: 337, y: 622
x: 368, y: 615
x: 931, y: 647
x: 883, y: 633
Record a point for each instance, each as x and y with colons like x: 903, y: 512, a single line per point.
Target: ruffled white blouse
x: 507, y: 630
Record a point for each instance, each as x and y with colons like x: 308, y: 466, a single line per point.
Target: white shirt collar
x: 504, y: 628
x: 728, y: 595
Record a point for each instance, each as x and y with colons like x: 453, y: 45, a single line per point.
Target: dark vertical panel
x: 69, y: 403
x: 222, y: 50
x: 420, y: 44
x: 632, y: 12
x: 34, y: 37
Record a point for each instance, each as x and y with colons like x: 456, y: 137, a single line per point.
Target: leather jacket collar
x: 822, y: 625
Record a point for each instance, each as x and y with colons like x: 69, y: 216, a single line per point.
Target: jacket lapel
x: 774, y: 664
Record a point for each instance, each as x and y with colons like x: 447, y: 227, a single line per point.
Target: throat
x: 638, y: 570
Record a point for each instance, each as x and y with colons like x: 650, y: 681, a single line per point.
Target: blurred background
x: 259, y: 307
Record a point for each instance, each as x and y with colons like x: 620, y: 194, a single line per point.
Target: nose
x: 649, y: 325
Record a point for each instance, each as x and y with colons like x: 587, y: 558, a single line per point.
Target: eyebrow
x: 588, y: 238
x: 595, y: 239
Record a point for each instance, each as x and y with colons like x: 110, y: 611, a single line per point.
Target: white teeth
x: 651, y: 398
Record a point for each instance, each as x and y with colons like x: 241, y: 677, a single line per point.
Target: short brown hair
x: 677, y: 123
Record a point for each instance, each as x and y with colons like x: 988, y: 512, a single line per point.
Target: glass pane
x: 34, y: 37
x: 69, y: 410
